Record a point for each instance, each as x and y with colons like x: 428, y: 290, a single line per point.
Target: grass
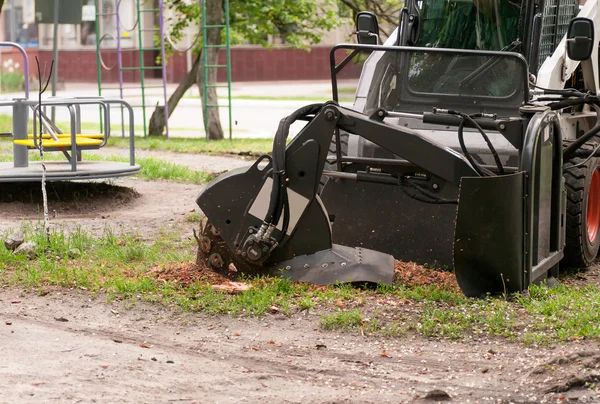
x: 151, y: 168
x: 241, y: 146
x: 122, y: 267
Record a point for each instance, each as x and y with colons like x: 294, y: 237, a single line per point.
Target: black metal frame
x: 357, y: 48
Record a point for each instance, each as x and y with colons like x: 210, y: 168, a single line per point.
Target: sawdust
x: 412, y: 274
x: 186, y: 273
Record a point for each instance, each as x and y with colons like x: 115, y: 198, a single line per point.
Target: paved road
x: 255, y: 117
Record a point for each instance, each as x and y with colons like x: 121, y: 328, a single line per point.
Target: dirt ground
x: 65, y: 346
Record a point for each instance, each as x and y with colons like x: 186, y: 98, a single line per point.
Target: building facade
x: 77, y: 60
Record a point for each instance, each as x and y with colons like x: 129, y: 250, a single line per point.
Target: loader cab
x: 460, y: 24
x: 446, y: 59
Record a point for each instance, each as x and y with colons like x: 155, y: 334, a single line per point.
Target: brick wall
x: 248, y: 64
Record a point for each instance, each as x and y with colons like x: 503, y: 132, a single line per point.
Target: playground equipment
x: 477, y: 148
x: 71, y: 144
x: 146, y: 46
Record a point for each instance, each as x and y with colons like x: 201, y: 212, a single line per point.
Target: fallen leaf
x: 104, y: 366
x: 255, y: 347
x: 144, y: 346
x: 271, y: 342
x: 236, y: 334
x: 384, y: 354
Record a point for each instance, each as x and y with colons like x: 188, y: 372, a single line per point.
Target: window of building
x: 19, y: 22
x: 101, y: 22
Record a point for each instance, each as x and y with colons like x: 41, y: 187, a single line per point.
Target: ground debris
x: 186, y: 273
x: 412, y: 274
x: 437, y: 395
x: 27, y: 248
x: 14, y: 240
x: 572, y: 383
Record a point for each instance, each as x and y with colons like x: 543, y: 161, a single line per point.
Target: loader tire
x: 331, y: 156
x: 583, y: 213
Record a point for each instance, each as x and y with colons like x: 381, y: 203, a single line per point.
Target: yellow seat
x: 60, y: 143
x: 61, y: 135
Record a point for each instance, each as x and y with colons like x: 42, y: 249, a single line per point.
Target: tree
x: 300, y: 23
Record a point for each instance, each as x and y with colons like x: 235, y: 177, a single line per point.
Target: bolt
x: 288, y: 267
x: 435, y: 186
x: 250, y: 231
x: 329, y: 115
x: 343, y: 264
x: 306, y: 266
x: 380, y: 113
x: 244, y: 254
x: 502, y: 126
x: 324, y: 265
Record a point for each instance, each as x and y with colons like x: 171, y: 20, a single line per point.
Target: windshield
x: 468, y: 24
x: 410, y: 79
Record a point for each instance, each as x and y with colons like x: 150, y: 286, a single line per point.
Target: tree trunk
x: 214, y: 16
x: 157, y: 120
x: 1, y: 4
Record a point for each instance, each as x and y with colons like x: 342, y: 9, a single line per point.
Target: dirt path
x: 157, y: 205
x: 68, y: 348
x: 96, y: 354
x: 200, y: 162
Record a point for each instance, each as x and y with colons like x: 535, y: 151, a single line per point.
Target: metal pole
x: 228, y: 50
x: 98, y: 65
x: 164, y: 66
x: 120, y: 66
x: 55, y: 54
x: 204, y: 69
x: 20, y: 117
x: 13, y: 22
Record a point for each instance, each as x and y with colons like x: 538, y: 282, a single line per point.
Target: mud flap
x: 488, y: 243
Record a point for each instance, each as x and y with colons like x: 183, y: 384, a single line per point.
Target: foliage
x: 11, y: 80
x: 387, y: 11
x: 299, y: 23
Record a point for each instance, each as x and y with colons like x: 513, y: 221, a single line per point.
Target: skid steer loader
x: 471, y: 144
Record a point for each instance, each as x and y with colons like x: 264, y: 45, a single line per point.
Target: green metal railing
x: 206, y: 66
x: 141, y: 68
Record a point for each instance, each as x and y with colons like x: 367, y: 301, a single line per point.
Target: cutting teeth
x: 214, y: 253
x: 216, y: 261
x: 204, y: 244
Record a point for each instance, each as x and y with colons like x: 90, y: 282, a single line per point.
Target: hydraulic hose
x: 481, y: 170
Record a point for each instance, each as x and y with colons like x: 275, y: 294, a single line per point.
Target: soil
x: 66, y: 346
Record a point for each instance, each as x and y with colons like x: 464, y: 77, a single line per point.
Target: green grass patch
x: 242, y: 146
x: 123, y: 266
x: 151, y: 168
x: 344, y: 320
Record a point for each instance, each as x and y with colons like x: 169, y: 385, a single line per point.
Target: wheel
x: 583, y: 213
x: 331, y: 156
